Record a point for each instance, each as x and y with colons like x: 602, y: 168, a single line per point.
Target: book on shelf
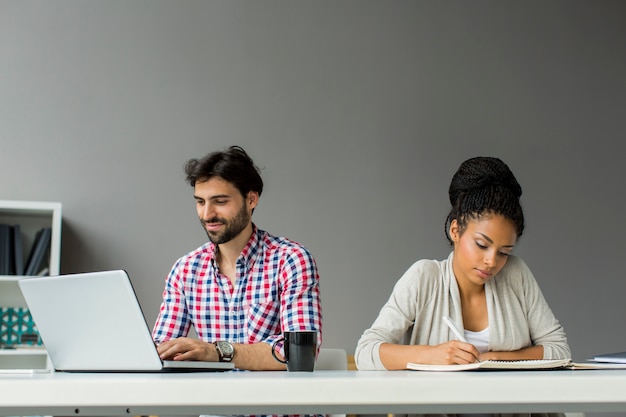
x: 6, y: 250
x: 37, y: 257
x: 18, y: 250
x: 12, y: 251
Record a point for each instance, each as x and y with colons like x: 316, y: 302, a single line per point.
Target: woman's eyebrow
x: 487, y: 238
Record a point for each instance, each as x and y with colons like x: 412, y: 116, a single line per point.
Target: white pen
x: 456, y: 331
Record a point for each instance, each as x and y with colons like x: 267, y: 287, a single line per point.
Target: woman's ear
x: 454, y: 231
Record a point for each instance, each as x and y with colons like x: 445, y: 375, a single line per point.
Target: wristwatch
x: 225, y: 350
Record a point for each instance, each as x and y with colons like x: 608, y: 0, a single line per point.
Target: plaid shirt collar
x: 248, y: 254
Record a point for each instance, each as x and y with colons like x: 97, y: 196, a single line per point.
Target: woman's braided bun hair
x: 484, y: 186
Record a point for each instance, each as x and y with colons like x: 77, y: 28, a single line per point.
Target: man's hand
x: 187, y: 349
x: 253, y: 357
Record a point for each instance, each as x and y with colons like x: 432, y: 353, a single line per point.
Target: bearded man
x: 241, y: 290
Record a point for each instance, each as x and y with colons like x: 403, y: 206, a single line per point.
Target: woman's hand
x: 452, y: 352
x: 395, y: 357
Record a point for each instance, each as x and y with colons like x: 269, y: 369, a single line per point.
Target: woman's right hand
x: 395, y: 357
x: 451, y: 353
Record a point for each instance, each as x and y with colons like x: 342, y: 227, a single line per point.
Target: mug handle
x: 274, y: 351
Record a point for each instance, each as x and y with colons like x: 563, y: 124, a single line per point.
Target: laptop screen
x: 93, y: 322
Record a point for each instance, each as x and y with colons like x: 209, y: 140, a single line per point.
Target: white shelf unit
x: 24, y: 358
x: 31, y: 216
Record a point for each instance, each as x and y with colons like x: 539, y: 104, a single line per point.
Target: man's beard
x: 232, y: 227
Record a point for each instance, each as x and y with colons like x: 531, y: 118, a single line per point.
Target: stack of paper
x: 606, y: 361
x: 619, y: 357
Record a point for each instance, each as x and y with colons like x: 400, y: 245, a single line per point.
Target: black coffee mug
x: 300, y: 349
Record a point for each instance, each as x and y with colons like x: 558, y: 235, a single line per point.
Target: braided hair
x: 484, y: 186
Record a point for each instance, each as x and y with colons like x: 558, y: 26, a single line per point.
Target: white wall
x: 358, y: 111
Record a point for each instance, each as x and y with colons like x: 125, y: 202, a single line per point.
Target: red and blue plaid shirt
x: 276, y: 289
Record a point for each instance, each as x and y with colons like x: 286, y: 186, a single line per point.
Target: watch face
x: 226, y: 350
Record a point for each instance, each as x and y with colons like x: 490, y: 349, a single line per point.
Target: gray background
x: 358, y: 113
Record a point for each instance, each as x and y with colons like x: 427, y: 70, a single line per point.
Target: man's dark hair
x: 483, y: 186
x: 233, y: 165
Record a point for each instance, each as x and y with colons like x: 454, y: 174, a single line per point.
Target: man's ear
x: 252, y: 200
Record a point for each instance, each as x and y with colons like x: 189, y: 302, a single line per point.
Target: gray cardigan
x: 519, y: 315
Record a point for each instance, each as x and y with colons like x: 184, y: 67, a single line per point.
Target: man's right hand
x: 187, y: 349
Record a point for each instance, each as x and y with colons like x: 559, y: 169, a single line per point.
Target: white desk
x: 321, y: 392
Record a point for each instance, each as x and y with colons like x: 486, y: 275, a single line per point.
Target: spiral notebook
x: 539, y: 364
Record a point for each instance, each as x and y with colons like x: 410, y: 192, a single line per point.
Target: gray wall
x: 358, y: 112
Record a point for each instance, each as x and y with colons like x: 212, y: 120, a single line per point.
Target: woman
x: 490, y: 295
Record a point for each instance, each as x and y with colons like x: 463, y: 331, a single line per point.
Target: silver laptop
x: 92, y: 322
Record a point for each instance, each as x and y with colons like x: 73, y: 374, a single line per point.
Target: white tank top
x: 479, y: 339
